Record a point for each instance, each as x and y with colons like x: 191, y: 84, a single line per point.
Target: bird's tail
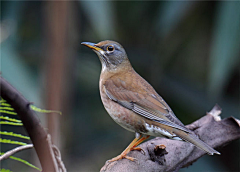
x: 192, y: 138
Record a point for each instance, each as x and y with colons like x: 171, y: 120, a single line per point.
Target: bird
x: 134, y: 104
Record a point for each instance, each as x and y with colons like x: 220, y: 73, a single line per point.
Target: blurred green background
x: 189, y: 51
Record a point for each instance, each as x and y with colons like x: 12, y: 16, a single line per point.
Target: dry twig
x: 15, y: 150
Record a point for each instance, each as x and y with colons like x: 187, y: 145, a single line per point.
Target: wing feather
x: 142, y: 103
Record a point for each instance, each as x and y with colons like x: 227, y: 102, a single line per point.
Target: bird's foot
x: 139, y: 149
x: 124, y: 154
x: 121, y: 156
x: 131, y: 146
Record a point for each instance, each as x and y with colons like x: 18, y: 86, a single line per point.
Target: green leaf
x: 10, y: 119
x: 23, y: 161
x: 11, y: 142
x: 8, y: 112
x: 2, y: 100
x: 11, y: 123
x: 43, y: 110
x: 14, y: 135
x: 5, y: 170
x: 4, y: 104
x: 6, y: 108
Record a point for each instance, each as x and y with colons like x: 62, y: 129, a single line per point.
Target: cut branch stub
x: 157, y: 153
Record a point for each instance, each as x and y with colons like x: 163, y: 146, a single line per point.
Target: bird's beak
x: 97, y: 50
x: 92, y: 46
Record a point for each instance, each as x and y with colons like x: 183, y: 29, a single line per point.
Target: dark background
x: 188, y: 51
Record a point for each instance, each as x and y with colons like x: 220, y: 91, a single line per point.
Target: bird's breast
x: 121, y: 115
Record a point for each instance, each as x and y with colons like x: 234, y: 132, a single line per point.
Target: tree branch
x: 32, y: 124
x: 170, y: 155
x: 15, y: 150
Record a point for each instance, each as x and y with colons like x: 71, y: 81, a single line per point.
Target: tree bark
x: 170, y: 155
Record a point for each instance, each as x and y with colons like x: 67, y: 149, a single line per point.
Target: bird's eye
x: 110, y: 48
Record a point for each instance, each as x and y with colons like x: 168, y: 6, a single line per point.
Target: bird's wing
x: 142, y: 100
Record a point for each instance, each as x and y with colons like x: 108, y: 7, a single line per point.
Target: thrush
x: 134, y: 104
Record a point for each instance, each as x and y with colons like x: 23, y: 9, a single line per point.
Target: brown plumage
x: 134, y: 104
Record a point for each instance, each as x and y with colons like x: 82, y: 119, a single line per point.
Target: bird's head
x: 111, y: 54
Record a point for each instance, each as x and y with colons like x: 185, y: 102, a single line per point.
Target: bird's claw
x: 139, y: 149
x: 121, y: 157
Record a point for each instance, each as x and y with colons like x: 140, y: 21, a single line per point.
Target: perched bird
x: 134, y: 104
